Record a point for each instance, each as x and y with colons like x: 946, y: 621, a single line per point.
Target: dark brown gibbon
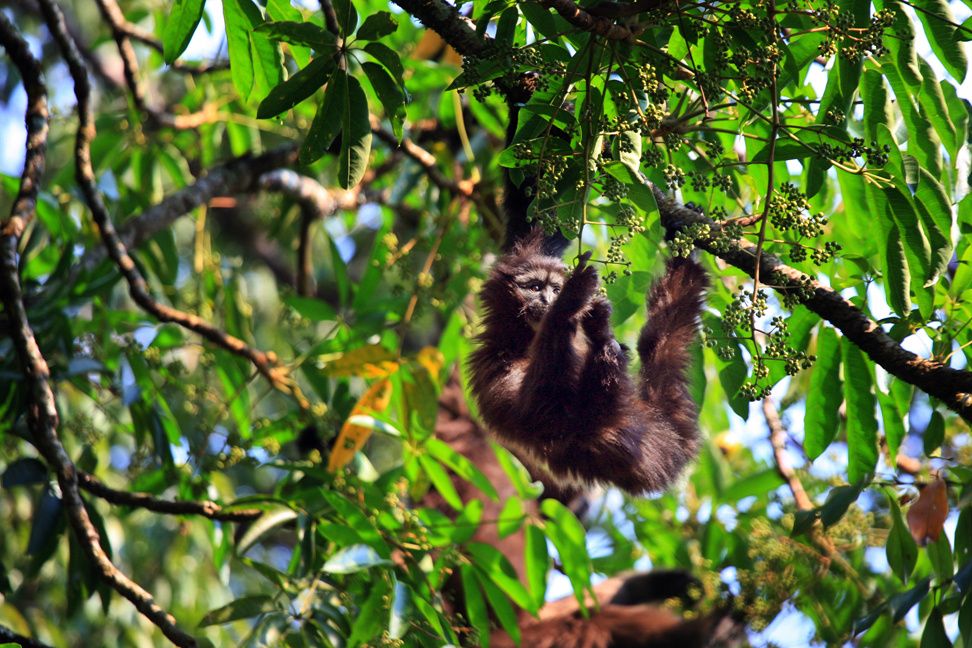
x: 552, y: 382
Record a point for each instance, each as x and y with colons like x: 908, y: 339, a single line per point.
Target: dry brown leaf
x: 926, y: 517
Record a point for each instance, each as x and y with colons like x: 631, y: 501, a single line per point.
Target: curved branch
x: 265, y: 362
x: 42, y: 413
x: 206, y: 509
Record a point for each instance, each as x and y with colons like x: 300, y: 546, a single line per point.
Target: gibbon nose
x: 547, y: 296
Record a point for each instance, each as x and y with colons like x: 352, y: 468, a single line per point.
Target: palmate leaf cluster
x: 817, y: 131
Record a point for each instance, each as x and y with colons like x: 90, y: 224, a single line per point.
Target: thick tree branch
x: 588, y: 22
x: 206, y: 509
x: 445, y: 20
x: 42, y: 413
x: 951, y: 386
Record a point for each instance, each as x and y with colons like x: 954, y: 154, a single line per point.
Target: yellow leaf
x: 352, y: 437
x: 431, y: 360
x: 369, y: 361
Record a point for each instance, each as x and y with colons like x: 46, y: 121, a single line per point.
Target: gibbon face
x: 536, y: 285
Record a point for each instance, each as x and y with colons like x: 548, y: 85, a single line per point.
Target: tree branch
x: 445, y: 20
x: 816, y: 533
x: 951, y: 386
x: 9, y: 636
x: 316, y: 203
x: 206, y: 509
x: 120, y: 30
x: 588, y: 22
x: 42, y: 413
x: 265, y: 362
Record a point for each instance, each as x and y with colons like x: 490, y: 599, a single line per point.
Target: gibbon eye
x: 556, y: 289
x: 534, y: 286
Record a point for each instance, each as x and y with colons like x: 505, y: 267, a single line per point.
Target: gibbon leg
x: 674, y: 305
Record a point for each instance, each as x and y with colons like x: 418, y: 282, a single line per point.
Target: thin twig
x: 42, y: 413
x: 816, y: 533
x: 205, y: 509
x: 120, y: 30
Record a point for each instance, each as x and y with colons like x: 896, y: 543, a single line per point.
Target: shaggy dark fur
x: 552, y: 382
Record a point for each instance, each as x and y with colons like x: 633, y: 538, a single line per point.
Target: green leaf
x: 902, y: 552
x: 377, y: 25
x: 440, y: 479
x: 354, y: 559
x: 893, y: 417
x: 255, y: 62
x: 904, y: 601
x: 46, y: 528
x: 315, y: 310
x: 934, y: 434
x: 942, y: 32
x: 965, y: 620
x: 461, y: 465
x: 246, y: 607
x: 935, y: 212
x: 758, y: 484
x: 475, y: 604
x: 497, y: 567
x: 467, y: 523
x: 389, y: 93
x: 940, y: 555
x: 180, y: 24
x: 372, y: 616
x: 824, y: 396
x: 838, y: 501
x: 500, y: 604
x: 511, y: 517
x: 934, y: 635
x: 537, y: 564
x: 327, y: 122
x: 300, y: 33
x: 570, y: 539
x: 862, y: 451
x: 264, y: 524
x: 541, y: 19
x: 518, y: 475
x: 297, y: 88
x: 238, y: 45
x: 355, y: 137
x: 347, y: 16
x: 389, y: 58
